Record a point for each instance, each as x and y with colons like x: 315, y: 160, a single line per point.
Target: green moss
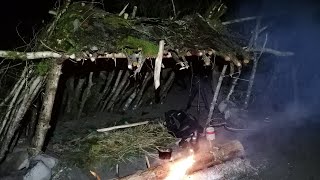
x: 116, y: 21
x: 43, y: 67
x: 132, y: 43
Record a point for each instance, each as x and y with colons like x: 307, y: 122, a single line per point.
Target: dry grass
x: 118, y: 145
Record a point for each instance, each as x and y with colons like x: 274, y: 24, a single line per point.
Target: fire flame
x: 179, y: 169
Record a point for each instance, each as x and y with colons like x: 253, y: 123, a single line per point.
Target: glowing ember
x: 178, y: 169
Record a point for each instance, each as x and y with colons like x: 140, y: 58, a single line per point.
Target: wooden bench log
x: 203, y: 159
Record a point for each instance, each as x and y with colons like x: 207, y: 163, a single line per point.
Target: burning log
x: 189, y: 165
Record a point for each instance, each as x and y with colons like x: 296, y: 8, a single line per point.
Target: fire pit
x: 190, y: 163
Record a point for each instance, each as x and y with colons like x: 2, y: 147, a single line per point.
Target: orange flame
x: 179, y: 169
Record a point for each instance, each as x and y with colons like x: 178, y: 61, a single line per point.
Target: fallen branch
x: 122, y: 126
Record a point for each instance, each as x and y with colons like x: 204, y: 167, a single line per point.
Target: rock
x: 15, y: 161
x: 49, y: 161
x: 225, y: 105
x: 38, y: 172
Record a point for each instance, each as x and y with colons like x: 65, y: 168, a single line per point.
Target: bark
x: 85, y: 95
x: 117, y: 92
x: 147, y: 78
x: 125, y: 96
x: 17, y: 91
x: 95, y: 92
x: 203, y: 160
x: 28, y: 97
x: 216, y: 94
x: 105, y: 91
x: 112, y: 92
x: 47, y: 106
x: 129, y: 100
x: 16, y: 87
x: 255, y: 65
x: 166, y: 87
x: 234, y: 83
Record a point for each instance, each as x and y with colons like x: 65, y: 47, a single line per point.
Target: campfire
x: 179, y: 169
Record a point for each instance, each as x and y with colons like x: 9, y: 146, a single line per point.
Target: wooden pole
x: 216, y: 94
x: 47, y: 106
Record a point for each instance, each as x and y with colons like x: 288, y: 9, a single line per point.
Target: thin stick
x: 117, y: 170
x: 216, y: 93
x: 255, y: 65
x: 239, y: 20
x: 122, y: 126
x: 174, y: 8
x: 147, y: 161
x: 123, y: 10
x: 234, y: 83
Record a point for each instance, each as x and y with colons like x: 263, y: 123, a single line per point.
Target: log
x: 47, y: 107
x: 202, y: 160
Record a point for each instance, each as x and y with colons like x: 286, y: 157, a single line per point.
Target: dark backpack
x: 180, y: 124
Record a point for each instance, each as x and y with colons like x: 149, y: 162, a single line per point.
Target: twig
x: 95, y: 175
x: 147, y: 161
x: 255, y: 64
x: 240, y: 20
x: 123, y: 10
x: 20, y: 35
x: 122, y: 126
x: 174, y: 9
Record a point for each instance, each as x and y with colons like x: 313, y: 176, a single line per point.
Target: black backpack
x: 180, y: 124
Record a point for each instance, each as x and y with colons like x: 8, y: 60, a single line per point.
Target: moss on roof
x: 82, y: 27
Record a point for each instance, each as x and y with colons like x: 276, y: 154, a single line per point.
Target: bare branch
x: 174, y: 8
x: 240, y: 20
x: 271, y: 51
x: 122, y: 126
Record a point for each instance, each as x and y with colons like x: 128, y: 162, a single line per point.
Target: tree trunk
x: 228, y: 151
x: 47, y: 106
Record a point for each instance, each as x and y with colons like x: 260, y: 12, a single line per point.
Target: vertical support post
x: 47, y: 106
x: 216, y: 94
